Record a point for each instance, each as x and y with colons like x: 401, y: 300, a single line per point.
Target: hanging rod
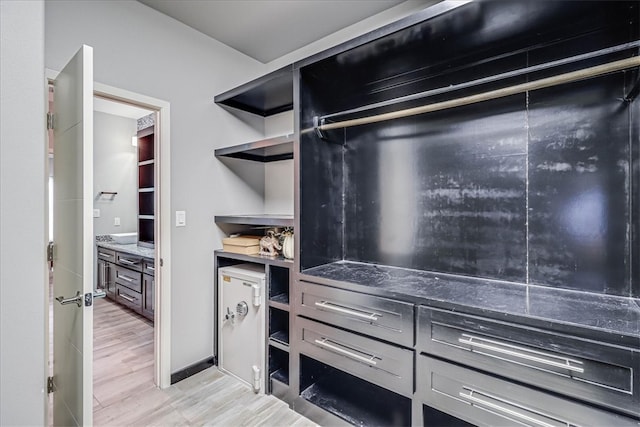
x: 559, y: 79
x: 489, y: 79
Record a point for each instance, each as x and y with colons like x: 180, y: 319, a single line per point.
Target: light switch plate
x: 181, y: 218
x: 96, y: 213
x: 116, y: 221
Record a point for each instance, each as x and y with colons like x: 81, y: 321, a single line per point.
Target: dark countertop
x: 131, y: 249
x: 605, y: 317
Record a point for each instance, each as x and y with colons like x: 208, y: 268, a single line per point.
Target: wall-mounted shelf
x: 264, y: 96
x: 263, y: 219
x: 265, y: 150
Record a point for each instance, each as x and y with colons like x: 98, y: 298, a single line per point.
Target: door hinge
x: 49, y: 121
x: 50, y: 386
x: 50, y: 249
x: 161, y: 262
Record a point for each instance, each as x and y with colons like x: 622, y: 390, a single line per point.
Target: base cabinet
x: 127, y: 279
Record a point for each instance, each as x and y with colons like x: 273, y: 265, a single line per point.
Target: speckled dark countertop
x: 132, y: 248
x: 615, y: 319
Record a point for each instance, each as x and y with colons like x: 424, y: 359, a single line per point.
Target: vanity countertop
x: 131, y: 248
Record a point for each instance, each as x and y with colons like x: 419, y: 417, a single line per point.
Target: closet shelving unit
x: 265, y: 96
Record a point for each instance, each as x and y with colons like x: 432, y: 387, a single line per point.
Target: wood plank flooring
x: 124, y: 393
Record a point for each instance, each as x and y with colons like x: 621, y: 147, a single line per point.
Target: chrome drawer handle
x: 373, y: 317
x: 151, y: 268
x: 128, y: 262
x: 520, y: 352
x: 325, y: 343
x: 472, y: 399
x: 127, y: 278
x: 104, y: 254
x: 128, y: 298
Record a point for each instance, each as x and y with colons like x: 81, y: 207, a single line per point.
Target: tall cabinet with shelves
x: 146, y: 186
x: 266, y: 96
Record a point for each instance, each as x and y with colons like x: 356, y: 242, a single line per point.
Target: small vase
x: 287, y: 246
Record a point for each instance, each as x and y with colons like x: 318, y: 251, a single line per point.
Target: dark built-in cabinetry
x: 146, y: 186
x: 127, y: 279
x: 467, y: 197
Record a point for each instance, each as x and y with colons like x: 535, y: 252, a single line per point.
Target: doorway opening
x: 152, y: 212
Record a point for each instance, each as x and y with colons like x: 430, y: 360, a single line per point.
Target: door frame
x: 162, y: 303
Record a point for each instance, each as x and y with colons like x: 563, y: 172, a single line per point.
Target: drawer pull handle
x: 520, y: 352
x: 127, y: 297
x: 511, y: 412
x: 151, y: 268
x: 127, y: 278
x: 372, y: 317
x: 104, y: 254
x: 338, y: 349
x: 127, y: 261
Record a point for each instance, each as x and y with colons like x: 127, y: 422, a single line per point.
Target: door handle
x: 78, y: 299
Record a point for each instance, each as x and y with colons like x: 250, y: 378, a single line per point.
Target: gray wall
x: 114, y: 169
x: 139, y: 49
x: 23, y: 217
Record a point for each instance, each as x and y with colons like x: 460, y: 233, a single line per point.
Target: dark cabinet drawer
x: 378, y: 317
x: 149, y: 267
x: 130, y: 261
x: 106, y: 254
x: 383, y: 364
x: 129, y: 278
x: 485, y: 400
x: 593, y: 371
x: 129, y: 298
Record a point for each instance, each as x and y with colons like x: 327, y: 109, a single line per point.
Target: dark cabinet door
x: 106, y: 278
x: 148, y: 295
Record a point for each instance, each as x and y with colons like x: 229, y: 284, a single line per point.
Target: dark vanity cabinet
x: 467, y: 218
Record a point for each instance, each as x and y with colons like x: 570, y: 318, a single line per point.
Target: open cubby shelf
x: 350, y: 398
x: 271, y: 220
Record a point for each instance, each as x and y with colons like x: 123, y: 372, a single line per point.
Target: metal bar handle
x: 104, y: 254
x: 520, y: 352
x: 127, y: 297
x: 127, y: 278
x: 338, y: 349
x: 128, y: 262
x: 75, y: 299
x: 149, y: 267
x: 513, y: 413
x: 373, y: 317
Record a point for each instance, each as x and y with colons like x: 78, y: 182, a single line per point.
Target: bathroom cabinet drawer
x: 128, y: 297
x: 130, y: 261
x: 589, y: 370
x: 106, y: 254
x: 383, y: 364
x: 148, y: 267
x: 485, y: 400
x: 378, y: 317
x: 129, y: 278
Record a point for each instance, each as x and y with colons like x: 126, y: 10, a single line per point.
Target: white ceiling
x: 268, y: 29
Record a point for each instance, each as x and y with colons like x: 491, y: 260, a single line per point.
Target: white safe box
x: 241, y: 323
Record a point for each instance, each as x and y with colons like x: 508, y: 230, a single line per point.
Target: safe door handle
x: 78, y: 299
x: 339, y: 349
x: 372, y: 317
x: 520, y: 352
x: 471, y: 398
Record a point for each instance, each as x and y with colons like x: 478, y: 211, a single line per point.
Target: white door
x: 73, y: 239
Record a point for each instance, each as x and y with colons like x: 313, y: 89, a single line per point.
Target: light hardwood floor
x: 124, y: 393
